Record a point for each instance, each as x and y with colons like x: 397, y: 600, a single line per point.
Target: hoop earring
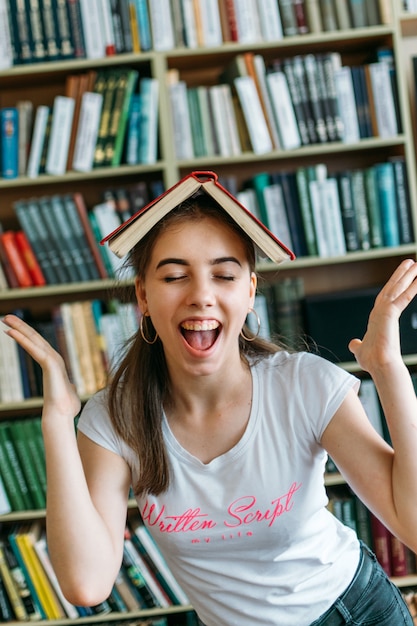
x: 258, y: 322
x: 142, y: 333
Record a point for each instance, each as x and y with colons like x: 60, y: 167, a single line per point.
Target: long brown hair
x: 140, y: 385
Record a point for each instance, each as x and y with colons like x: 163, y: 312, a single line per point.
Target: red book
x: 15, y: 259
x: 231, y: 16
x: 30, y: 259
x: 89, y: 235
x: 399, y: 564
x: 381, y: 544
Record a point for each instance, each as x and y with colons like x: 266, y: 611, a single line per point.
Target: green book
x: 34, y: 441
x: 11, y: 471
x: 304, y: 200
x: 120, y: 115
x: 374, y: 209
x: 24, y: 454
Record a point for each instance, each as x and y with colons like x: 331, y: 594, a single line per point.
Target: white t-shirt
x: 247, y: 535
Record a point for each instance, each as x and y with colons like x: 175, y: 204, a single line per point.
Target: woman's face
x: 197, y: 290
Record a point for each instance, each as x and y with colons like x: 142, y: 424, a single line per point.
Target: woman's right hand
x: 59, y: 393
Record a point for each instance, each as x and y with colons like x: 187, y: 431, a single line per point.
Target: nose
x: 201, y: 293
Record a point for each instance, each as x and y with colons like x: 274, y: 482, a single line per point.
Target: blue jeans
x: 370, y: 600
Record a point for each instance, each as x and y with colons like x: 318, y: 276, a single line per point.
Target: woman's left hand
x: 380, y: 345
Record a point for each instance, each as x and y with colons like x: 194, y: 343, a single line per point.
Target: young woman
x: 224, y: 438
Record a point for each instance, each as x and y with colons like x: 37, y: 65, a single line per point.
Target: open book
x: 128, y: 234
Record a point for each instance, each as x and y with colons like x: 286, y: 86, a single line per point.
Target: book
x: 25, y: 120
x: 374, y: 209
x: 402, y: 191
x: 350, y: 227
x: 77, y: 214
x: 160, y: 18
x: 347, y: 104
x: 120, y: 114
x: 361, y: 208
x: 19, y: 438
x: 388, y: 203
x: 87, y: 131
x: 15, y: 483
x: 94, y: 35
x: 6, y: 49
x: 9, y: 142
x: 283, y: 110
x: 123, y: 238
x: 384, y: 118
x: 61, y: 126
x: 11, y: 587
x: 148, y: 125
x: 38, y: 140
x: 15, y: 258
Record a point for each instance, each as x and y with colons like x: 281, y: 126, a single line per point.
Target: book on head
x: 128, y: 234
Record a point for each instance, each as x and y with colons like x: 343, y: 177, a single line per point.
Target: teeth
x: 204, y: 325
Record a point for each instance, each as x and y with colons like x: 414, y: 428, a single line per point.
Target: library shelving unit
x: 41, y: 82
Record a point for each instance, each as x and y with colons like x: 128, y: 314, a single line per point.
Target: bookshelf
x: 41, y: 82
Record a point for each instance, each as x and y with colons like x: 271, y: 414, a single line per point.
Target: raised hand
x: 60, y: 397
x: 380, y: 346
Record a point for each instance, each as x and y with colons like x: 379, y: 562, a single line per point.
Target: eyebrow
x: 216, y: 261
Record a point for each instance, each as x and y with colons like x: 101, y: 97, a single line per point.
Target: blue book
x: 9, y: 142
x: 144, y: 25
x: 388, y: 203
x: 133, y: 130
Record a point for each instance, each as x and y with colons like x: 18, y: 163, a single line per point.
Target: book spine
x: 38, y: 140
x: 62, y: 115
x: 6, y: 48
x: 8, y: 239
x: 9, y: 142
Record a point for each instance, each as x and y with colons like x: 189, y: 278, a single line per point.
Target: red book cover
x: 15, y: 259
x: 30, y: 259
x: 399, y: 565
x: 231, y: 16
x: 381, y: 544
x: 82, y: 213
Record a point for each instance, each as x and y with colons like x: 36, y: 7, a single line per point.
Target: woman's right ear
x: 140, y: 293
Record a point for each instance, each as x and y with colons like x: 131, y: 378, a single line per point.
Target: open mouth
x: 200, y: 335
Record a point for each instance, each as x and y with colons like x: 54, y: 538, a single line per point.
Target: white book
x: 109, y: 39
x: 281, y: 103
x: 247, y: 21
x: 93, y: 30
x: 114, y: 346
x: 276, y: 212
x: 189, y: 23
x: 383, y: 99
x: 219, y: 119
x: 181, y: 124
x: 270, y: 20
x: 11, y: 387
x: 333, y: 218
x: 317, y: 195
x: 87, y: 131
x: 252, y: 110
x: 347, y: 104
x: 161, y: 25
x: 211, y: 24
x: 57, y: 154
x: 230, y: 119
x: 148, y: 126
x: 38, y: 140
x: 6, y: 52
x: 260, y: 71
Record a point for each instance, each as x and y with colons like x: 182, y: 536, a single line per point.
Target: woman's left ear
x: 253, y: 286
